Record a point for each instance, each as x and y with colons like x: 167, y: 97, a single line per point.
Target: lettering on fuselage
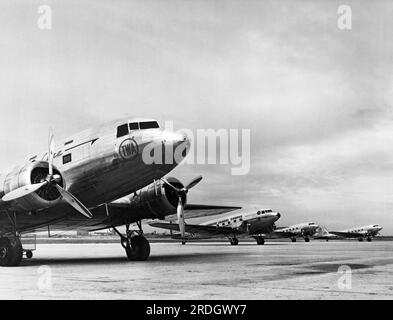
x: 128, y: 149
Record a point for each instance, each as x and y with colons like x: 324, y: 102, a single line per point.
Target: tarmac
x: 276, y: 270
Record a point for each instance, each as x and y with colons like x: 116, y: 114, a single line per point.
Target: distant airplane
x: 322, y: 233
x: 95, y: 180
x: 360, y: 233
x: 253, y: 224
x: 302, y: 230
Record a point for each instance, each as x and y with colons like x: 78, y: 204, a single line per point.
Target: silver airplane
x: 360, y: 233
x: 94, y: 180
x: 302, y: 230
x: 253, y: 224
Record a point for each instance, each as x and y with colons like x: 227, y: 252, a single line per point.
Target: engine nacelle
x: 33, y: 172
x: 157, y: 200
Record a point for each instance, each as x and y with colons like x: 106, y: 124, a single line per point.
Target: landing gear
x: 360, y: 239
x: 293, y: 239
x: 183, y: 243
x: 306, y: 239
x: 29, y: 254
x: 369, y: 239
x: 135, y: 244
x: 234, y: 241
x: 11, y: 252
x: 260, y: 241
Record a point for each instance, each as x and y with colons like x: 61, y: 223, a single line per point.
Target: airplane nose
x: 174, y: 137
x: 179, y: 141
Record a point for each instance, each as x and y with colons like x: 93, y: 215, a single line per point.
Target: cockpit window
x: 122, y: 130
x: 149, y: 125
x: 134, y: 126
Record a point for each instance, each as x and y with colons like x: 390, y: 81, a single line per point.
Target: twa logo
x: 128, y: 149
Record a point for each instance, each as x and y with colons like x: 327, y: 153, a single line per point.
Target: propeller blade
x: 74, y: 202
x: 194, y: 182
x: 180, y: 219
x: 23, y: 191
x: 51, y: 151
x: 171, y: 185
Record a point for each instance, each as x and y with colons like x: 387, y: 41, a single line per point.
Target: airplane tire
x: 260, y: 241
x: 11, y: 252
x: 139, y: 250
x: 293, y: 239
x: 360, y: 239
x: 29, y: 254
x: 307, y: 239
x: 234, y: 242
x: 368, y: 239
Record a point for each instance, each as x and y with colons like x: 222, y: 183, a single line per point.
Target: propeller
x: 52, y: 180
x: 181, y: 192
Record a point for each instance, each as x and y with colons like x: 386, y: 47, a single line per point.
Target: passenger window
x: 149, y: 125
x: 134, y: 126
x: 67, y: 158
x: 122, y: 130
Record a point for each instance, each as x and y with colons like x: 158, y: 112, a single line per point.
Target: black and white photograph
x: 201, y: 151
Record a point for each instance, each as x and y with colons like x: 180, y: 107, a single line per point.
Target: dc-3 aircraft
x: 253, y: 224
x: 360, y: 233
x: 302, y: 230
x: 95, y: 180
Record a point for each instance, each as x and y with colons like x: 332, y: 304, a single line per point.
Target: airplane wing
x: 200, y: 210
x: 210, y: 231
x: 285, y: 234
x: 347, y: 234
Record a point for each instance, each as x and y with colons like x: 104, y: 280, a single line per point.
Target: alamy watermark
x: 44, y: 282
x: 204, y: 146
x: 44, y: 21
x: 345, y: 280
x: 344, y: 21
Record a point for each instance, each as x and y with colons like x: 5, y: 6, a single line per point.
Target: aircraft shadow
x: 186, y: 257
x: 228, y: 245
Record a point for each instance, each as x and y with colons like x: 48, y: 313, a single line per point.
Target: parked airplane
x: 323, y: 234
x: 360, y: 233
x: 304, y: 230
x: 97, y: 179
x: 253, y: 224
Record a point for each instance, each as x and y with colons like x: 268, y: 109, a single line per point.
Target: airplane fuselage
x: 253, y: 223
x: 98, y: 166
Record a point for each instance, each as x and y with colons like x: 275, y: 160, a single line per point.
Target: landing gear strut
x: 234, y: 241
x: 11, y: 252
x: 136, y: 245
x: 260, y: 240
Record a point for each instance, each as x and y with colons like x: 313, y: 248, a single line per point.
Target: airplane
x: 305, y: 230
x: 252, y: 224
x: 322, y: 233
x: 94, y: 180
x: 360, y: 233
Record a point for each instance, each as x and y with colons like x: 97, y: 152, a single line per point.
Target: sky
x: 317, y: 99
